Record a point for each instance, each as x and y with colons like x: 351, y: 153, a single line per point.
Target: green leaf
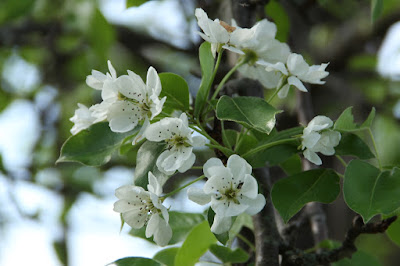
x: 252, y: 112
x: 369, y: 192
x: 166, y: 256
x: 100, y: 42
x: 376, y: 9
x: 272, y: 156
x: 229, y: 256
x: 346, y: 123
x: 207, y: 68
x: 181, y: 223
x: 292, y: 165
x: 394, y: 232
x: 290, y: 194
x: 351, y: 144
x: 146, y: 161
x: 195, y: 245
x: 176, y: 90
x: 11, y: 9
x: 93, y: 146
x: 278, y: 14
x: 135, y: 261
x: 360, y: 258
x: 134, y: 3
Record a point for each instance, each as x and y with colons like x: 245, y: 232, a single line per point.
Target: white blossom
x: 97, y: 79
x: 139, y: 207
x: 82, y: 119
x: 318, y: 137
x: 180, y: 142
x: 214, y: 30
x: 231, y: 189
x: 127, y: 101
x: 298, y: 71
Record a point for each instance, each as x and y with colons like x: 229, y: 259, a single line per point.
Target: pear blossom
x: 318, y: 137
x: 127, y: 101
x: 296, y: 71
x: 97, y: 79
x: 139, y: 207
x: 82, y: 119
x: 215, y: 31
x: 231, y: 189
x: 175, y: 132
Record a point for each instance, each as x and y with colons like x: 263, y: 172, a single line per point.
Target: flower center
x: 177, y: 141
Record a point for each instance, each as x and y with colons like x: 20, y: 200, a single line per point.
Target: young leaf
x: 195, y: 245
x: 134, y: 3
x: 135, y: 261
x: 290, y: 194
x: 181, y: 224
x: 351, y: 144
x: 176, y: 90
x: 252, y: 112
x: 146, y: 161
x: 93, y: 146
x: 368, y: 191
x: 207, y: 68
x: 166, y: 256
x: 346, y: 123
x: 376, y: 9
x: 229, y: 256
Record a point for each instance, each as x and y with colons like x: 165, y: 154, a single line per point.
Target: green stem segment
x: 227, y: 76
x: 268, y: 145
x: 280, y: 86
x: 375, y: 148
x: 179, y: 189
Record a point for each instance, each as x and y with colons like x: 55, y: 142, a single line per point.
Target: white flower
x: 297, y: 70
x: 83, y: 118
x: 317, y: 137
x: 231, y: 190
x: 388, y: 64
x: 178, y: 136
x: 139, y: 207
x: 128, y: 101
x: 214, y: 31
x: 97, y: 79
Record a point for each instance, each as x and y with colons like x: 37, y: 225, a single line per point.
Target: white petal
x: 284, y: 91
x: 292, y: 80
x: 124, y: 206
x: 153, y: 185
x: 164, y: 129
x: 112, y: 70
x: 309, y: 140
x: 296, y: 65
x: 187, y: 164
x: 197, y: 195
x: 128, y: 192
x: 133, y: 219
x: 152, y: 225
x: 238, y: 166
x: 131, y: 88
x: 279, y: 66
x: 250, y: 187
x: 221, y: 224
x: 219, y: 181
x: 320, y: 122
x: 211, y: 163
x: 312, y: 157
x: 234, y: 209
x: 198, y: 141
x: 163, y: 234
x: 160, y: 160
x: 153, y: 82
x: 255, y: 205
x: 142, y: 131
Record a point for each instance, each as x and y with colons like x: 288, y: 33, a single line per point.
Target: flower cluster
x: 127, y: 101
x: 318, y: 137
x: 263, y: 57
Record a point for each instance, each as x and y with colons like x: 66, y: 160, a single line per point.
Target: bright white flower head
x: 128, y: 101
x: 214, y: 31
x: 83, y: 118
x: 139, y: 207
x: 318, y: 137
x: 297, y: 70
x: 231, y: 190
x: 178, y: 136
x: 97, y: 79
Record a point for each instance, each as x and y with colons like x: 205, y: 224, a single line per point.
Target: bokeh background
x: 61, y: 214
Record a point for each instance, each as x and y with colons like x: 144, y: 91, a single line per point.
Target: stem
x: 375, y: 148
x: 341, y: 160
x: 196, y: 167
x: 226, y: 151
x: 240, y: 138
x: 245, y: 240
x: 268, y: 145
x: 280, y: 86
x: 179, y: 189
x: 227, y: 76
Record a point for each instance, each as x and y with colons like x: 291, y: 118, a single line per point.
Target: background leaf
x: 229, y: 256
x: 346, y: 123
x: 376, y: 9
x: 290, y: 194
x: 134, y: 3
x: 166, y: 256
x: 252, y: 112
x: 176, y: 90
x: 93, y: 146
x: 146, y: 161
x: 135, y: 261
x: 369, y: 192
x: 195, y: 245
x: 207, y: 68
x: 351, y: 144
